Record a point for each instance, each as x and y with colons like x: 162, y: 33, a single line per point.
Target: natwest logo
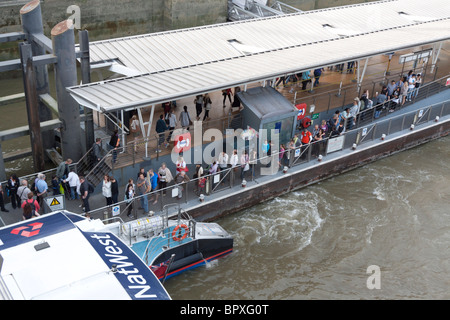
x: 25, y: 231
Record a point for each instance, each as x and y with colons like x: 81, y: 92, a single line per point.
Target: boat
x: 173, y: 242
x: 64, y: 256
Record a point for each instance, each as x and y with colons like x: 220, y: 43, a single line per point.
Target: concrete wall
x: 306, y: 5
x: 106, y: 19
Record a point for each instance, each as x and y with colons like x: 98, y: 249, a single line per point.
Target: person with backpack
x: 86, y: 188
x: 29, y: 212
x: 31, y: 202
x: 23, y: 191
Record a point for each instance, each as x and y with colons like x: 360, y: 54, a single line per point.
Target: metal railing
x: 230, y: 178
x: 383, y: 109
x: 127, y: 154
x: 166, y: 237
x: 344, y: 95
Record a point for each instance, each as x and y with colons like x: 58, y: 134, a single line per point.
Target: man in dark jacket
x: 97, y: 151
x: 85, y: 190
x: 2, y: 203
x: 160, y: 128
x: 114, y: 190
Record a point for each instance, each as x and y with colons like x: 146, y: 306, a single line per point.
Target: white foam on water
x: 291, y: 227
x: 211, y: 264
x: 378, y: 192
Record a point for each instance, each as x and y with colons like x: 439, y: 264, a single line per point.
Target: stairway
x: 95, y: 176
x: 93, y: 171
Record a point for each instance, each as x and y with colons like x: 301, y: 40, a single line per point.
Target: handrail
x: 347, y: 87
x: 97, y: 165
x: 275, y: 155
x: 89, y: 152
x: 165, y: 216
x: 147, y: 139
x: 422, y: 87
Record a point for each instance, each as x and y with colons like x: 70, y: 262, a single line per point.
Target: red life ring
x: 174, y: 232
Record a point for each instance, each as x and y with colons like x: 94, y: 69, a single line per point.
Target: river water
x: 318, y: 242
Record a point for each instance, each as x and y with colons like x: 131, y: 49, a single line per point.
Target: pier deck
x: 216, y: 199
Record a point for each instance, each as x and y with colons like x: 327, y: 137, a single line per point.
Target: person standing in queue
x: 114, y: 143
x: 86, y: 189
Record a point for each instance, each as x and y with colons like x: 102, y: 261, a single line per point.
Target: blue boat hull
x: 193, y: 254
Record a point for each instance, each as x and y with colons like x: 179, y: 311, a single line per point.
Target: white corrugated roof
x: 186, y: 62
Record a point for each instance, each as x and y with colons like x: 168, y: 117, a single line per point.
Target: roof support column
x: 435, y: 56
x: 63, y: 40
x: 86, y: 78
x: 360, y: 78
x: 142, y: 126
x: 29, y: 83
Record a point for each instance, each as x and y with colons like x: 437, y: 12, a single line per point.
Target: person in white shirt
x: 74, y: 181
x: 223, y: 160
x: 135, y: 130
x: 180, y: 165
x: 234, y: 160
x: 23, y: 191
x: 411, y: 87
x: 106, y: 190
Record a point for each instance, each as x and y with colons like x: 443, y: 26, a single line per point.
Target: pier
x: 142, y: 82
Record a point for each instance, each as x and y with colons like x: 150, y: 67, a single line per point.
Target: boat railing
x: 166, y: 239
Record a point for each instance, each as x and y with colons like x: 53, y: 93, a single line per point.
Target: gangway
x: 251, y: 9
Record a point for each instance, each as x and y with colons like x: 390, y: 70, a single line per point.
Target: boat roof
x: 175, y: 64
x: 51, y: 257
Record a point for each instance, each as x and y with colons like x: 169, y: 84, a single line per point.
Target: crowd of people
x: 168, y: 121
x: 301, y: 79
x: 30, y: 198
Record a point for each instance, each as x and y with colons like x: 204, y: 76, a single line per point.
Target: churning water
x: 318, y: 242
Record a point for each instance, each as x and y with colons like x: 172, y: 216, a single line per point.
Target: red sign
x: 301, y: 110
x: 448, y: 82
x: 182, y: 142
x: 25, y: 232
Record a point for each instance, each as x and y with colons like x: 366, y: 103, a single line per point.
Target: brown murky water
x: 318, y: 242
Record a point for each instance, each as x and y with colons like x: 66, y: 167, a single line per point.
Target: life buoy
x: 174, y: 232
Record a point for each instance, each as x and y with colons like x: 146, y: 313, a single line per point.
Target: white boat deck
x: 50, y: 257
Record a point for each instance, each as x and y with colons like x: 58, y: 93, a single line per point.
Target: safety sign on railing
x: 55, y: 203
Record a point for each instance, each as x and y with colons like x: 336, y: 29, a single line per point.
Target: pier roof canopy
x: 175, y: 64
